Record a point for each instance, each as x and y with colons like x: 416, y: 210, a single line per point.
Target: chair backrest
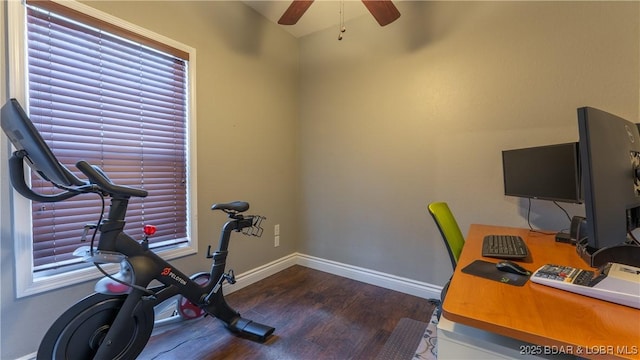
x: 449, y: 229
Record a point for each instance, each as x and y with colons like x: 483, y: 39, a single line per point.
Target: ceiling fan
x: 382, y: 10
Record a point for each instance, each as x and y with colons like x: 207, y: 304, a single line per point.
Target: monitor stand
x: 627, y: 254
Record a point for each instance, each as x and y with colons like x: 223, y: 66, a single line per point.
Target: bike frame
x: 147, y: 266
x: 87, y: 326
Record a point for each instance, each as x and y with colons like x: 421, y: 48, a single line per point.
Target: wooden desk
x: 537, y: 314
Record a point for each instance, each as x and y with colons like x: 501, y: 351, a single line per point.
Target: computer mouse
x: 511, y: 267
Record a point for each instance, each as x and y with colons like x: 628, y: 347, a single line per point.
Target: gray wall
x: 353, y: 139
x: 247, y: 100
x: 394, y: 118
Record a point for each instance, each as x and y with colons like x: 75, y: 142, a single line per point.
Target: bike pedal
x: 230, y: 277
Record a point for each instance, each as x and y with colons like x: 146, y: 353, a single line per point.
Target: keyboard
x: 504, y: 247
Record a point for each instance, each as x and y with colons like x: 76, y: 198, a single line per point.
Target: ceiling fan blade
x: 382, y: 10
x: 294, y: 12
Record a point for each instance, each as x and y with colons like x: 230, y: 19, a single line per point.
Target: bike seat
x: 236, y: 206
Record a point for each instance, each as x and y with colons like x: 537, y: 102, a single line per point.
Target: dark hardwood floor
x: 316, y: 315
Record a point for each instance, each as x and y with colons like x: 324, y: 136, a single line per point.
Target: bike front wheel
x: 79, y: 332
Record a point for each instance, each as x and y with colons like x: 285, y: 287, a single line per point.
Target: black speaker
x: 577, y: 231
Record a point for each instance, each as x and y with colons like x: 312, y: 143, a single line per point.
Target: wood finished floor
x: 316, y: 315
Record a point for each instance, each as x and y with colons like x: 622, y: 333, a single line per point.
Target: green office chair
x: 449, y: 230
x: 453, y: 239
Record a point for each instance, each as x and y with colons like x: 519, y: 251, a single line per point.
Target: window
x: 118, y: 98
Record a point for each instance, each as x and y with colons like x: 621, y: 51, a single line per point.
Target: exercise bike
x: 117, y: 321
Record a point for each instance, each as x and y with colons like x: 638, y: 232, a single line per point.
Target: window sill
x: 54, y: 282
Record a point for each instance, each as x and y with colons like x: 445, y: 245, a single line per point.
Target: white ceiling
x: 321, y: 15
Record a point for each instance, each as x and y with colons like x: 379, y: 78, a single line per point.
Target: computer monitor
x: 31, y: 147
x: 550, y: 172
x: 610, y: 158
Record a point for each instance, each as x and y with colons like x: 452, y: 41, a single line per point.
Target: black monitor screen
x: 25, y: 137
x: 610, y: 154
x: 549, y: 172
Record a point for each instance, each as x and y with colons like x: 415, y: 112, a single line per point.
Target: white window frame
x: 26, y: 283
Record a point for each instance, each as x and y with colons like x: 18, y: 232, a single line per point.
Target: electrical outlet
x: 276, y: 241
x: 276, y: 229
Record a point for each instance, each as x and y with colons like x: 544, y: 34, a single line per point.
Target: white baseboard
x: 254, y: 275
x: 387, y: 281
x: 28, y: 357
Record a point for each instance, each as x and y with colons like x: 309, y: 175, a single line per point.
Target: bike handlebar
x: 98, y: 180
x: 98, y: 177
x: 16, y: 172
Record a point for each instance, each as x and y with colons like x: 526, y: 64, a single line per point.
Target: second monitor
x: 550, y: 172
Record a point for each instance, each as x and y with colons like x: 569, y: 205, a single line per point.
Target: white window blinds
x: 115, y: 103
